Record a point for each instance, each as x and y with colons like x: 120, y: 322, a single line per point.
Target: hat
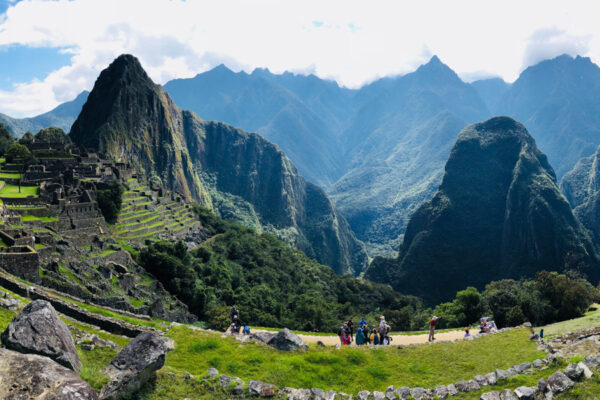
x: 382, y: 317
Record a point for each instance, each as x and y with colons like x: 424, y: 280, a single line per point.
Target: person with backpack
x: 350, y: 326
x: 246, y: 330
x: 432, y: 322
x: 374, y: 337
x: 341, y: 333
x: 360, y: 336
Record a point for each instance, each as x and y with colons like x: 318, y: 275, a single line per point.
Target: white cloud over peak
x: 350, y: 41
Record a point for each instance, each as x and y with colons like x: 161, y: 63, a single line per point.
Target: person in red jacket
x: 432, y: 322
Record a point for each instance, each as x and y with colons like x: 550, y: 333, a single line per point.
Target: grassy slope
x: 591, y: 318
x: 12, y: 191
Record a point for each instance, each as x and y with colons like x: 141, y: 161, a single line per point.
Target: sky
x: 52, y: 50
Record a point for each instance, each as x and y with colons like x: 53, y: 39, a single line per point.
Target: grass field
x: 350, y: 369
x: 28, y: 218
x: 10, y: 175
x: 590, y: 319
x: 12, y: 191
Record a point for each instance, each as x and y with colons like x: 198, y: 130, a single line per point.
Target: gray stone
x: 441, y: 391
x: 378, y: 395
x: 364, y: 395
x: 512, y: 372
x: 537, y: 363
x: 491, y: 378
x: 508, y: 394
x: 37, y: 377
x: 225, y: 381
x: 403, y: 392
x: 493, y: 395
x: 38, y: 330
x: 287, y: 341
x: 551, y: 358
x: 527, y: 324
x: 525, y: 393
x: 534, y: 336
x: 213, y: 372
x: 559, y: 382
x: 543, y: 385
x: 452, y: 391
x: 330, y: 395
x: 390, y: 393
x: 502, y: 374
x: 87, y: 346
x: 135, y: 365
x: 262, y: 336
x: 10, y: 304
x: 261, y: 389
x: 238, y: 387
x: 473, y: 385
x: 522, y: 367
x: 462, y: 386
x: 420, y: 393
x: 317, y: 394
x: 573, y: 371
x: 587, y: 373
x: 481, y: 380
x: 592, y: 361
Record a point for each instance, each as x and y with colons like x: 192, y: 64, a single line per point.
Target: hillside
x: 582, y: 188
x: 497, y: 214
x: 238, y: 174
x: 61, y: 117
x: 558, y: 101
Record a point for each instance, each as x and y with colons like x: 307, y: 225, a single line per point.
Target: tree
x: 6, y: 140
x: 110, y: 201
x: 17, y: 151
x: 52, y: 135
x: 26, y: 138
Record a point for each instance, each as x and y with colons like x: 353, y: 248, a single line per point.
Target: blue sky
x: 51, y: 50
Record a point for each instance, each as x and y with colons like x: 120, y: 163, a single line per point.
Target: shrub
x: 110, y: 201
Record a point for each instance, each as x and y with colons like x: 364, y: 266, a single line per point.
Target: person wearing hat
x: 432, y: 327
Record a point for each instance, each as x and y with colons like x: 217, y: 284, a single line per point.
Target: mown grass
x: 590, y: 319
x: 27, y: 218
x: 12, y: 191
x: 351, y: 369
x: 10, y: 175
x: 93, y: 361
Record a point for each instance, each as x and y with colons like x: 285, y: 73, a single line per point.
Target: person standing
x: 432, y: 322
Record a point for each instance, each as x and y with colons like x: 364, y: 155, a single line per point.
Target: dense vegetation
x: 268, y: 281
x: 52, y: 135
x: 110, y: 201
x: 6, y: 140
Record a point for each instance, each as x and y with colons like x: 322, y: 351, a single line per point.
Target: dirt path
x: 397, y: 339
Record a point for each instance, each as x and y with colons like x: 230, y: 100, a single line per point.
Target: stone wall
x: 21, y: 261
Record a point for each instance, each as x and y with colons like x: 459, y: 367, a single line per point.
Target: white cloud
x: 348, y: 40
x: 550, y: 42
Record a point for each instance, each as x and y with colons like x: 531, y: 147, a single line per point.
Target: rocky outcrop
x: 28, y: 376
x: 238, y: 174
x: 38, y: 330
x: 135, y: 365
x: 287, y: 341
x: 497, y: 214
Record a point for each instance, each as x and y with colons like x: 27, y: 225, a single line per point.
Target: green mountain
x: 581, y: 187
x: 558, y: 100
x: 61, y: 117
x: 238, y: 174
x: 498, y: 213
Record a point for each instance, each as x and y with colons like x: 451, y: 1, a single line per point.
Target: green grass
x: 351, y: 369
x: 5, y: 317
x: 587, y: 390
x: 39, y: 246
x: 12, y: 191
x: 28, y: 218
x: 92, y: 364
x: 10, y: 175
x: 590, y: 319
x: 68, y: 273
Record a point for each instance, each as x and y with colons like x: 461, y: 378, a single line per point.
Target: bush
x: 6, y: 140
x: 110, y: 201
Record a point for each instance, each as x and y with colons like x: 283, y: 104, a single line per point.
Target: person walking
x: 360, y: 336
x: 432, y: 322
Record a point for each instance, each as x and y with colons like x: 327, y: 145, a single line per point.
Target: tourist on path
x: 360, y: 336
x: 432, y: 327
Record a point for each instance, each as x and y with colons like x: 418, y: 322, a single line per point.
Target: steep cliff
x: 498, y: 213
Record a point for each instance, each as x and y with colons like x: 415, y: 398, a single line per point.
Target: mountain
x: 238, y: 174
x: 491, y: 90
x: 397, y: 143
x: 581, y: 187
x: 302, y: 115
x: 61, y: 117
x: 498, y: 213
x: 558, y: 100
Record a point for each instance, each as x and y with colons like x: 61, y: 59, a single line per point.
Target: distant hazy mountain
x: 396, y: 145
x: 238, y: 174
x: 581, y: 186
x: 60, y: 117
x: 491, y: 90
x: 498, y: 214
x: 301, y: 114
x: 558, y: 101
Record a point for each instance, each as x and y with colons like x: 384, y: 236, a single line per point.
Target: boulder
x: 490, y: 396
x: 378, y: 395
x: 238, y: 387
x: 317, y: 394
x: 38, y: 330
x: 419, y: 393
x: 525, y: 393
x: 573, y: 371
x: 543, y: 385
x: 587, y: 373
x: 481, y: 380
x: 491, y: 378
x: 11, y: 304
x: 135, y: 365
x: 452, y: 391
x: 364, y: 395
x: 502, y: 374
x: 287, y: 341
x: 473, y: 385
x: 390, y: 393
x: 559, y: 382
x: 592, y: 361
x: 213, y: 372
x: 537, y: 363
x: 261, y: 389
x: 330, y: 395
x: 441, y: 392
x: 522, y: 367
x: 508, y: 394
x: 262, y: 336
x: 403, y: 392
x: 225, y: 381
x: 29, y: 376
x: 462, y: 386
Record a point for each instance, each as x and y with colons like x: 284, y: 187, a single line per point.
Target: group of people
x: 486, y: 326
x: 237, y: 326
x: 376, y: 335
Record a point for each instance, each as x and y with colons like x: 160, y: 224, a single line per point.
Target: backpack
x: 376, y: 339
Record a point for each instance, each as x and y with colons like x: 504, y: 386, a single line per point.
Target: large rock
x: 490, y: 396
x: 508, y: 394
x: 261, y: 389
x: 135, y: 364
x: 573, y: 371
x: 525, y: 393
x: 559, y: 382
x: 286, y: 340
x: 441, y: 392
x: 29, y: 376
x: 38, y: 330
